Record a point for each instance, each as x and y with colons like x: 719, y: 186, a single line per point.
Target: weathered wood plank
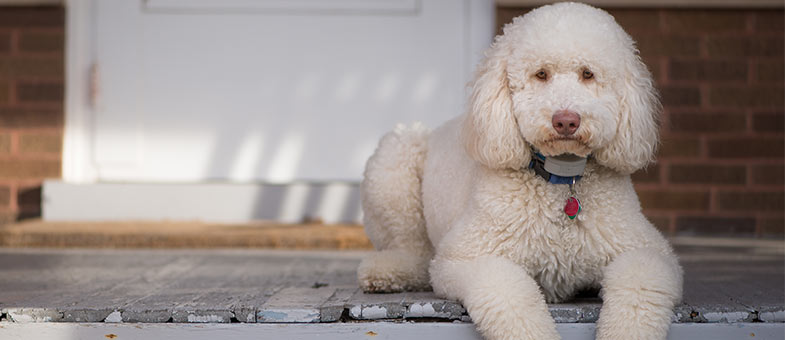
x: 730, y: 282
x: 300, y: 305
x: 376, y: 306
x: 332, y: 309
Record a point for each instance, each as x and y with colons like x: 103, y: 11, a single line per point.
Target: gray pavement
x: 726, y: 281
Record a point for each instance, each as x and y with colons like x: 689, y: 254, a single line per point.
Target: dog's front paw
x: 379, y: 285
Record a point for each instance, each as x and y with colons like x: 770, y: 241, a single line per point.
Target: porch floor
x: 726, y: 281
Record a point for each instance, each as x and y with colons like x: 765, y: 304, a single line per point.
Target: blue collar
x: 538, y: 165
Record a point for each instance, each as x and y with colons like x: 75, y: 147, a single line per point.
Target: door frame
x: 81, y: 91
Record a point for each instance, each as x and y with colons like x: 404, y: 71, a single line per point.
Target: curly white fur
x: 458, y: 208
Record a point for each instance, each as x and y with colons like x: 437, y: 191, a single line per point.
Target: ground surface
x: 735, y: 281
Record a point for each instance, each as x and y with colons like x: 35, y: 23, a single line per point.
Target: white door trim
x: 80, y: 92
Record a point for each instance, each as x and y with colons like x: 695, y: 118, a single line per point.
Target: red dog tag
x: 572, y: 208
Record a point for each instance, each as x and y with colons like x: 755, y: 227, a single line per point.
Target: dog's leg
x: 503, y: 301
x: 640, y: 288
x: 393, y: 219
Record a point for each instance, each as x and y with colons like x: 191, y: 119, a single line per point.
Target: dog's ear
x: 636, y: 138
x: 490, y: 132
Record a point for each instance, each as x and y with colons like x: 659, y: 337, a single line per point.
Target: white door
x: 272, y: 90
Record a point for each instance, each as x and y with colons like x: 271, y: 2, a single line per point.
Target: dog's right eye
x: 541, y: 75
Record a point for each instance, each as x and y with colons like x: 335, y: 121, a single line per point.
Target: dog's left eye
x: 588, y: 74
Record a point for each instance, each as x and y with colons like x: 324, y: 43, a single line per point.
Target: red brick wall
x: 720, y: 74
x: 31, y: 105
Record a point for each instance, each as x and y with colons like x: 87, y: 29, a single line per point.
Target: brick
x: 748, y: 96
x: 7, y: 217
x: 772, y: 227
x: 770, y: 71
x: 707, y: 174
x: 701, y: 20
x: 29, y: 196
x: 5, y: 42
x: 30, y: 118
x: 653, y: 64
x: 771, y: 174
x: 32, y: 16
x: 504, y: 15
x: 40, y: 143
x: 751, y: 201
x: 747, y: 147
x: 708, y: 70
x: 40, y: 92
x: 27, y: 212
x: 662, y: 223
x: 5, y: 92
x: 31, y: 41
x: 679, y: 147
x: 5, y: 196
x: 5, y: 143
x: 29, y: 169
x: 680, y: 96
x: 708, y: 225
x: 667, y: 46
x: 770, y: 21
x: 707, y: 122
x: 674, y: 200
x: 15, y: 66
x: 651, y: 174
x: 637, y: 20
x: 768, y: 122
x: 744, y: 47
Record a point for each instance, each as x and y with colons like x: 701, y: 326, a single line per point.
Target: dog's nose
x: 565, y: 122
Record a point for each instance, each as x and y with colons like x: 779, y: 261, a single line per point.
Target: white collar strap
x: 561, y: 169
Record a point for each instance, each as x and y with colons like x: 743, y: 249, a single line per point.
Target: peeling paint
x: 85, y: 315
x: 243, y: 314
x: 205, y: 318
x: 417, y: 310
x: 725, y: 316
x: 570, y: 313
x: 147, y: 316
x: 774, y: 316
x: 22, y: 318
x: 676, y: 317
x: 296, y: 315
x: 272, y: 316
x: 374, y: 312
x: 114, y: 317
x: 442, y: 310
x: 26, y: 315
x: 355, y: 312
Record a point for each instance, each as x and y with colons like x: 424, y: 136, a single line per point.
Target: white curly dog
x: 527, y: 198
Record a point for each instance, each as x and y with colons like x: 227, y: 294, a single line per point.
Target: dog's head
x: 564, y: 78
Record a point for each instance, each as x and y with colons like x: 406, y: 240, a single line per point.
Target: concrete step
x: 351, y: 331
x: 37, y: 233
